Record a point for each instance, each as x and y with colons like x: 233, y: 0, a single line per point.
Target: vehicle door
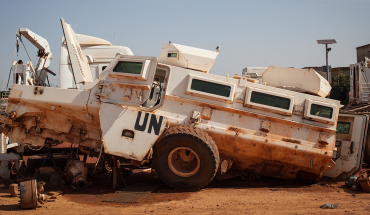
x: 130, y: 90
x: 349, y: 146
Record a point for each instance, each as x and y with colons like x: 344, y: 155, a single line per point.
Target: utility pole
x: 327, y: 50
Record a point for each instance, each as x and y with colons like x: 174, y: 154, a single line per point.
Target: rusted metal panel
x: 28, y: 194
x: 365, y: 184
x: 38, y: 113
x: 260, y: 144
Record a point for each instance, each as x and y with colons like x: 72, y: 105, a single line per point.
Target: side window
x: 270, y: 101
x: 322, y: 111
x: 101, y: 68
x: 173, y: 55
x: 128, y: 67
x: 343, y: 127
x: 133, y: 68
x: 210, y: 88
x: 319, y: 111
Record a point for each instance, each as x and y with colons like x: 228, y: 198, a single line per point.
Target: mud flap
x: 127, y: 132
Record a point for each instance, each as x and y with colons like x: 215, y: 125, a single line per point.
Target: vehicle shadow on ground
x: 4, y: 194
x: 101, y: 189
x: 349, y: 190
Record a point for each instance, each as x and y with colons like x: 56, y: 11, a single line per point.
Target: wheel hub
x: 184, y: 161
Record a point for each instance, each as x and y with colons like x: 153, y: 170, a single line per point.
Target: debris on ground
x: 13, y: 189
x: 31, y: 194
x: 55, y: 194
x: 133, y: 193
x: 329, y: 206
x: 364, y: 181
x: 76, y: 173
x: 351, y: 180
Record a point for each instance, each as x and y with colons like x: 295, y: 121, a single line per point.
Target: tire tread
x: 198, y: 134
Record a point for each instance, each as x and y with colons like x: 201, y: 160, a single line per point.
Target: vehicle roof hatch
x: 187, y: 57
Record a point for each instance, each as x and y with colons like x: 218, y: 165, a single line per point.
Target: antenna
x: 218, y: 48
x: 116, y: 39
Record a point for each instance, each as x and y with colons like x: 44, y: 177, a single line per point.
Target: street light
x: 327, y: 50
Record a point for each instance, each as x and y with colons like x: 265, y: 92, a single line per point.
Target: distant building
x: 362, y: 52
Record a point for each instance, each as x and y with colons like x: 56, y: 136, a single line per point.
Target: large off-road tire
x: 185, y: 157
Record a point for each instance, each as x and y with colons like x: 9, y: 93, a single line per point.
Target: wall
x: 362, y: 52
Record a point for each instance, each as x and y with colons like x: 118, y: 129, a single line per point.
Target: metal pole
x: 114, y: 174
x: 3, y: 142
x: 327, y: 66
x: 327, y: 71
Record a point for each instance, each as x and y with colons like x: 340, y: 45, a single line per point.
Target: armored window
x: 270, y: 100
x: 343, y: 127
x: 172, y: 54
x: 209, y: 87
x: 134, y: 67
x: 321, y: 111
x: 128, y: 67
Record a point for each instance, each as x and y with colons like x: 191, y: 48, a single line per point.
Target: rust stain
x: 263, y: 158
x: 290, y: 140
x: 128, y: 85
x: 232, y: 129
x: 254, y: 115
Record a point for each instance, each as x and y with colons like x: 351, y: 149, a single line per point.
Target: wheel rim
x: 184, y: 162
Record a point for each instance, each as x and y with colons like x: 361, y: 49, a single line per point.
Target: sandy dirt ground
x: 232, y: 196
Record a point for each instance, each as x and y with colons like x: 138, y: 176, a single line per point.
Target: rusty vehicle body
x: 135, y: 115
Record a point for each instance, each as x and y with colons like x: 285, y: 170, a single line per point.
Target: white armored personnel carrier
x: 171, y: 114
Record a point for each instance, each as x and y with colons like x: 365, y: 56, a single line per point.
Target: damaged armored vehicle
x: 169, y: 113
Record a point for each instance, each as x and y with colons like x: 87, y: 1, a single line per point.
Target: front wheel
x: 186, y: 157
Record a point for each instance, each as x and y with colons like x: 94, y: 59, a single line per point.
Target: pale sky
x: 252, y: 33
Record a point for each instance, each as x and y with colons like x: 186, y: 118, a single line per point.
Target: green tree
x: 342, y: 83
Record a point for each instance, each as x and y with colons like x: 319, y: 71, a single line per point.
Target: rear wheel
x: 186, y: 157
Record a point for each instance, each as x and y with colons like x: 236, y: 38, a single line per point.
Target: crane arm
x: 44, y: 53
x: 36, y: 40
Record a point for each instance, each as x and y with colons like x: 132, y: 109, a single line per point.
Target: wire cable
x: 20, y: 38
x: 10, y: 72
x: 34, y: 149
